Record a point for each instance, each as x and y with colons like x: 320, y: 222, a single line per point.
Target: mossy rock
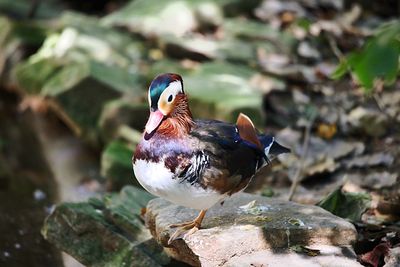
x: 105, y: 232
x: 82, y: 90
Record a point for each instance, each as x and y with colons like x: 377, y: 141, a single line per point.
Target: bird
x: 196, y: 163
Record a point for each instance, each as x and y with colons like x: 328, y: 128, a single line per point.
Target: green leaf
x: 33, y: 75
x: 65, y: 79
x: 340, y: 70
x: 377, y: 60
x: 346, y: 205
x: 304, y: 23
x: 380, y: 59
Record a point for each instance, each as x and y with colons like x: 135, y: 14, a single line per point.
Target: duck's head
x: 165, y: 96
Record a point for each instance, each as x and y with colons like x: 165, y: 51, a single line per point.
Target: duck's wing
x: 221, y: 161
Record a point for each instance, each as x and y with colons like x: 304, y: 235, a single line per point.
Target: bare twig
x: 299, y: 172
x: 129, y: 134
x: 335, y: 49
x: 379, y: 102
x: 42, y: 104
x: 381, y: 106
x: 64, y: 117
x: 337, y: 52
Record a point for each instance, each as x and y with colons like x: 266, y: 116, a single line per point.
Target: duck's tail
x: 265, y: 143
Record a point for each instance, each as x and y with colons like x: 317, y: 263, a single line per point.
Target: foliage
x: 346, y: 205
x: 378, y: 60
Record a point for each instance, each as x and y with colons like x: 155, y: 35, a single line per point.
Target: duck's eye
x: 170, y: 98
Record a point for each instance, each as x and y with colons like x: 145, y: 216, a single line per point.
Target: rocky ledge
x: 255, y: 230
x: 106, y: 231
x: 248, y: 230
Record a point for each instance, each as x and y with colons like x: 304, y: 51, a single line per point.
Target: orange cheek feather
x: 165, y: 107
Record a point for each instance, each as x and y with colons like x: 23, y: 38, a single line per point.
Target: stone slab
x: 251, y: 227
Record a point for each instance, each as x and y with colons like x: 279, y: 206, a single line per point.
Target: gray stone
x: 251, y: 228
x: 330, y: 256
x: 105, y: 232
x: 374, y: 180
x: 371, y: 160
x: 323, y: 156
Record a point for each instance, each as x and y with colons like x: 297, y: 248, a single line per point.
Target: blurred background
x: 322, y: 76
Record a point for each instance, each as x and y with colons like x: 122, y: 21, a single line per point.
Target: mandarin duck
x: 196, y: 163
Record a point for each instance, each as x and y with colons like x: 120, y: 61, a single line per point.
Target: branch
x: 299, y: 172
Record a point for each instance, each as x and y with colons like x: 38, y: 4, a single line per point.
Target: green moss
x: 106, y: 232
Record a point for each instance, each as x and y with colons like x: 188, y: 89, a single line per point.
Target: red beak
x: 154, y: 121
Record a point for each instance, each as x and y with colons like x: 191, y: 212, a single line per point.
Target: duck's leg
x: 187, y: 228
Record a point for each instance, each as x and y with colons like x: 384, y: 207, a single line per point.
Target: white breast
x: 158, y: 180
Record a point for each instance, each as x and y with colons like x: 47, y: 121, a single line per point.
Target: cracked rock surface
x: 250, y: 229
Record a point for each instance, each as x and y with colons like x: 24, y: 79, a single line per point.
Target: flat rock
x: 254, y: 229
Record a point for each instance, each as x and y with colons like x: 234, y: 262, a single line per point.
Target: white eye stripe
x: 173, y: 89
x: 149, y: 97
